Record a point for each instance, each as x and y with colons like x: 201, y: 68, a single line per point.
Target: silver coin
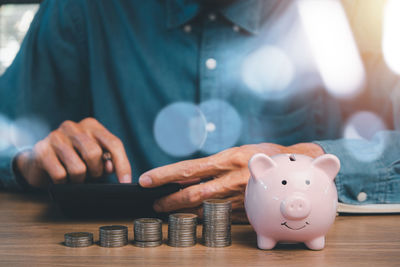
x: 182, y: 229
x: 216, y: 230
x: 147, y: 244
x: 113, y: 236
x: 78, y: 239
x: 147, y: 230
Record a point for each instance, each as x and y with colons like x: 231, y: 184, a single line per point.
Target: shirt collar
x: 180, y: 12
x: 247, y: 14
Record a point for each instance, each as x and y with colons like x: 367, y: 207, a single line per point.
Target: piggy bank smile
x: 294, y: 228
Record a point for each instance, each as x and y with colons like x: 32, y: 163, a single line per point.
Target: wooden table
x: 32, y: 231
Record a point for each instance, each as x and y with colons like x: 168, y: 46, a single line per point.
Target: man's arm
x: 49, y: 78
x: 228, y: 170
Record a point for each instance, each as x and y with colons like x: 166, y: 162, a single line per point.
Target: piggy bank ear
x: 260, y: 163
x: 328, y: 163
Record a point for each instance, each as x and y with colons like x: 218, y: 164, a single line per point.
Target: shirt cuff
x: 9, y: 179
x: 367, y: 175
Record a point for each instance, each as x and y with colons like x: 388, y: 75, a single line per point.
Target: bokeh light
x: 183, y: 128
x: 180, y: 129
x: 391, y: 36
x: 25, y: 22
x: 5, y: 141
x: 27, y: 131
x: 14, y: 23
x: 223, y: 126
x: 267, y: 70
x: 8, y: 52
x: 22, y: 133
x: 333, y: 46
x: 363, y: 125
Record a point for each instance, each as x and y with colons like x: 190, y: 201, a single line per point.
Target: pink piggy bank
x: 291, y: 198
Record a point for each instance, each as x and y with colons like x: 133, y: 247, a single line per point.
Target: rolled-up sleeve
x: 8, y: 179
x: 371, y: 167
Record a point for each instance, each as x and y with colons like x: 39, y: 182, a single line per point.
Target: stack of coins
x: 217, y: 223
x: 148, y: 232
x: 78, y: 239
x: 182, y: 230
x: 113, y: 236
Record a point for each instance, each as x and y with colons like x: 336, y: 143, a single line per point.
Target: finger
x: 47, y: 159
x: 74, y: 165
x: 185, y: 170
x: 88, y: 148
x: 119, y: 158
x: 189, y: 182
x: 108, y: 166
x: 193, y: 196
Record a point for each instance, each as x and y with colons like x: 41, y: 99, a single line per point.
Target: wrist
x: 18, y: 163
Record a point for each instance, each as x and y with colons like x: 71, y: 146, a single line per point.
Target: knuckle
x: 89, y: 121
x: 77, y: 169
x: 80, y: 138
x: 40, y: 147
x: 67, y: 124
x: 192, y: 197
x: 93, y: 152
x: 116, y: 142
x: 55, y: 136
x: 188, y: 172
x: 239, y: 158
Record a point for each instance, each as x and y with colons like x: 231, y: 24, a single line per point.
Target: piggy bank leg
x: 265, y: 242
x: 316, y: 244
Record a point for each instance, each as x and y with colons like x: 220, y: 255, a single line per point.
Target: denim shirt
x: 123, y: 62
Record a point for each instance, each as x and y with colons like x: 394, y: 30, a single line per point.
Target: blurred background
x: 370, y: 48
x: 15, y: 18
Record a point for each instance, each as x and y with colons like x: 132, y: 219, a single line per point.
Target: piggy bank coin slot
x: 292, y: 158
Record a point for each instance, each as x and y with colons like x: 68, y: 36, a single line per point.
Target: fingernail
x: 157, y: 207
x: 126, y: 179
x: 145, y: 180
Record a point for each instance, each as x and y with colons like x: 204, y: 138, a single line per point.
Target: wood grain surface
x: 32, y: 231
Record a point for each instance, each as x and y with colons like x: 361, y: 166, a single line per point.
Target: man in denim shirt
x: 98, y: 73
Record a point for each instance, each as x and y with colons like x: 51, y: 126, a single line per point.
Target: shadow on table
x: 248, y: 238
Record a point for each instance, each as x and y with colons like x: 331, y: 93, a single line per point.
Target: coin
x: 182, y: 229
x: 113, y: 236
x: 216, y: 230
x: 147, y: 232
x: 147, y: 244
x: 78, y: 239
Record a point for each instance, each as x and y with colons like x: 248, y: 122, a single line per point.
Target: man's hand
x: 228, y: 172
x: 73, y: 151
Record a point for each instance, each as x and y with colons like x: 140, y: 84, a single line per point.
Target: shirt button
x: 212, y: 17
x: 211, y: 63
x: 187, y: 28
x: 236, y: 28
x: 362, y: 196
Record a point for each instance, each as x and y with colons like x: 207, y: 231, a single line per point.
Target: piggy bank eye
x: 307, y: 182
x: 284, y: 182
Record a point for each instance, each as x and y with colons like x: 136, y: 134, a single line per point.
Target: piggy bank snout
x: 295, y: 207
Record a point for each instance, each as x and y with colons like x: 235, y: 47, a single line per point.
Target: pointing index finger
x: 120, y: 160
